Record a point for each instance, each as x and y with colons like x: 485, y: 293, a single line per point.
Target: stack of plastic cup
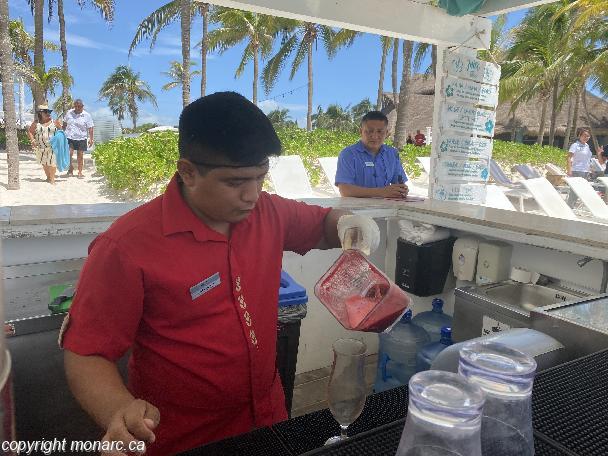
x: 444, y: 416
x: 506, y: 376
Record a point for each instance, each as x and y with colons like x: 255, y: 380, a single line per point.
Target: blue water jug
x: 397, y: 353
x: 433, y: 320
x: 427, y: 354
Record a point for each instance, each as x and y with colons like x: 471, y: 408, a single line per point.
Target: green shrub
x: 138, y: 165
x: 22, y: 139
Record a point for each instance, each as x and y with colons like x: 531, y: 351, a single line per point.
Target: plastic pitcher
x: 359, y: 295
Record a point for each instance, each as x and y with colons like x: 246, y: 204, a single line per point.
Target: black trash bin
x: 423, y: 269
x: 292, y: 308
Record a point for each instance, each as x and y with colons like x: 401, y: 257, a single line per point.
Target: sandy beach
x: 67, y: 190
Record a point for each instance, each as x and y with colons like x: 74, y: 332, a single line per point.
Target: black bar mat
x: 570, y: 404
x: 308, y: 432
x: 261, y: 442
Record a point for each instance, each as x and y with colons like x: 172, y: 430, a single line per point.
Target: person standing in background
x: 419, y: 139
x: 78, y: 125
x: 578, y: 160
x: 41, y: 131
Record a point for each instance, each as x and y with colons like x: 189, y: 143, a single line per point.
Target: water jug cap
x: 446, y: 334
x: 407, y: 316
x: 437, y: 305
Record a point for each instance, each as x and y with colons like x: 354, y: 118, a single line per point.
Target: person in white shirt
x: 578, y: 160
x: 78, y: 126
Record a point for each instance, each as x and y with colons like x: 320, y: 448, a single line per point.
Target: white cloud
x: 82, y: 41
x: 270, y: 105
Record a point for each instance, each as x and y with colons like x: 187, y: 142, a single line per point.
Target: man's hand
x: 394, y: 191
x: 90, y: 142
x: 358, y: 232
x: 134, y: 422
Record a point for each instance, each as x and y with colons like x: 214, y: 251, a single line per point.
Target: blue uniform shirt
x: 358, y: 166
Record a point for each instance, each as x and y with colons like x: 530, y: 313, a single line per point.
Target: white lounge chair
x: 289, y: 178
x: 329, y: 165
x: 425, y: 162
x: 496, y: 198
x: 549, y: 199
x: 589, y: 197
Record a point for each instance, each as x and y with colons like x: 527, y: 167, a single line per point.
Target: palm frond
x: 275, y: 65
x: 154, y: 23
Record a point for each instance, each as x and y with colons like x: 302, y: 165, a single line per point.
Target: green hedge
x: 22, y: 139
x: 138, y: 165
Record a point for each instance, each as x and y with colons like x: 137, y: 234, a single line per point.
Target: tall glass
x: 346, y: 390
x: 443, y: 416
x: 506, y: 376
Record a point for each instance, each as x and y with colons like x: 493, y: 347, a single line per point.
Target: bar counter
x: 570, y: 402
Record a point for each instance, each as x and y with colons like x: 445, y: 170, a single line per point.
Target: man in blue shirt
x: 370, y: 168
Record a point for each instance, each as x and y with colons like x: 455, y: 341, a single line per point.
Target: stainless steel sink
x: 527, y: 296
x: 481, y: 310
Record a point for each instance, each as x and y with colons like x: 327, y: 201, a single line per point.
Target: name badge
x: 203, y: 287
x: 369, y: 163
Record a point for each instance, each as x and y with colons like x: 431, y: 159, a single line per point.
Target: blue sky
x: 95, y: 49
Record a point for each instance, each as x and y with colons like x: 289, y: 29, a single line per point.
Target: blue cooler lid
x: 290, y: 292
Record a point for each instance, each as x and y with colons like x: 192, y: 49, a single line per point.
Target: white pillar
x: 21, y: 114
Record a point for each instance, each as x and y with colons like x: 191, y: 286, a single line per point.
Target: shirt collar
x: 177, y: 217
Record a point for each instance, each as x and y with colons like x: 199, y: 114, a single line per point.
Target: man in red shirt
x: 189, y: 283
x: 419, y: 139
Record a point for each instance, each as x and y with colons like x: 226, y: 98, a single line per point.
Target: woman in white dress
x: 578, y: 160
x: 40, y: 133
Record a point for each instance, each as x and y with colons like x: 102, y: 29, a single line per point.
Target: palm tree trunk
x: 256, y: 53
x: 434, y: 59
x: 394, y: 75
x: 38, y: 92
x: 381, y: 78
x: 65, y: 90
x: 21, y: 101
x: 204, y: 47
x: 543, y: 119
x: 573, y: 132
x: 185, y: 29
x: 309, y: 111
x: 596, y: 145
x: 513, y: 127
x: 404, y: 94
x: 8, y: 99
x: 553, y: 112
x: 565, y: 145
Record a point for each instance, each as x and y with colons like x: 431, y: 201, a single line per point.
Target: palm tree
x: 175, y: 74
x: 152, y: 25
x: 360, y: 109
x: 404, y: 94
x: 45, y: 81
x: 123, y: 89
x: 395, y: 71
x: 420, y: 53
x: 386, y: 43
x: 280, y: 118
x: 334, y: 118
x: 257, y: 30
x: 301, y: 38
x: 8, y: 99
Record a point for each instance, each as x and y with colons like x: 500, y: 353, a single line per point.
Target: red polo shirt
x: 198, y: 309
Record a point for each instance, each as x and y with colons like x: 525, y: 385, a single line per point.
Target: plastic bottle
x: 397, y: 353
x: 443, y: 416
x: 429, y: 352
x: 433, y: 320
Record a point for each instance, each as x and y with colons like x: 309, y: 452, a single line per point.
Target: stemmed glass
x: 346, y: 390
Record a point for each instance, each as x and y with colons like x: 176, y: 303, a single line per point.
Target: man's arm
x: 90, y: 136
x: 390, y: 191
x: 100, y: 390
x: 330, y: 238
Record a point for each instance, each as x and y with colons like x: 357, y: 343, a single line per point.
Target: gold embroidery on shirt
x: 242, y: 302
x: 238, y: 284
x: 247, y: 318
x: 254, y: 339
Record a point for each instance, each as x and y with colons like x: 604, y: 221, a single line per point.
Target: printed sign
x: 457, y: 146
x: 467, y: 119
x: 461, y: 90
x: 460, y: 193
x: 463, y: 170
x: 490, y: 326
x: 469, y: 67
